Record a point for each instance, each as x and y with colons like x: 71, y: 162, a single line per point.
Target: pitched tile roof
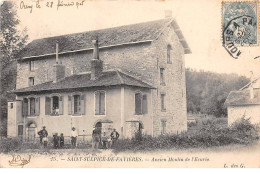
x: 140, y: 32
x: 109, y: 78
x: 242, y: 97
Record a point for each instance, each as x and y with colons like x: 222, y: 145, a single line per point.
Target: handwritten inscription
x: 50, y: 4
x: 17, y: 160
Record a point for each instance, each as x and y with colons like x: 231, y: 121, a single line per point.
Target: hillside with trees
x: 207, y: 91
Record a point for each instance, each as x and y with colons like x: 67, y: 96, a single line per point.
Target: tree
x: 12, y: 40
x: 207, y: 91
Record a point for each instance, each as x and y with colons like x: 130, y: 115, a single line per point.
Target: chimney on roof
x: 96, y: 64
x: 58, y: 69
x: 168, y: 13
x: 251, y: 88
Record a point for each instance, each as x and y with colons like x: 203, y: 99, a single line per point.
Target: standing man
x: 74, y: 135
x: 43, y: 135
x: 114, y: 136
x: 96, y: 136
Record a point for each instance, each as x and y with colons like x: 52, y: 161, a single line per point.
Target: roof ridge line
x: 101, y: 29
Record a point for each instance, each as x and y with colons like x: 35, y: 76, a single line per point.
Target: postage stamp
x: 239, y: 25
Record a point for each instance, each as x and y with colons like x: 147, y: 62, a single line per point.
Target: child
x: 61, y: 140
x: 104, y: 139
x: 56, y: 140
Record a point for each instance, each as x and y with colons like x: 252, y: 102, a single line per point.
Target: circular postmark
x: 239, y: 26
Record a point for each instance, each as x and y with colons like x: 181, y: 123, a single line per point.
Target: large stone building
x: 135, y: 81
x: 245, y: 103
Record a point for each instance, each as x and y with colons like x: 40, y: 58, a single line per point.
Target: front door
x: 31, y: 132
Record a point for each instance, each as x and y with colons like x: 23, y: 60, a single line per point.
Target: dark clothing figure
x: 73, y: 141
x: 56, y: 141
x: 104, y: 139
x: 114, y: 136
x: 61, y: 140
x: 96, y: 136
x: 43, y: 136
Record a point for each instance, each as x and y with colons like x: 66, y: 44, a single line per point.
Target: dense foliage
x: 207, y: 91
x: 241, y: 132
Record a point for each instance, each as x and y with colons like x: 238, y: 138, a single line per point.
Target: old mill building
x: 131, y: 78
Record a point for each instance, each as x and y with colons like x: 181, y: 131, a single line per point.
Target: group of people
x: 104, y: 140
x: 58, y: 141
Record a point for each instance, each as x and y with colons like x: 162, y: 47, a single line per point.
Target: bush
x: 241, y: 132
x: 10, y: 144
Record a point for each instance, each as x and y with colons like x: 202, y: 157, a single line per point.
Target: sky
x: 200, y: 22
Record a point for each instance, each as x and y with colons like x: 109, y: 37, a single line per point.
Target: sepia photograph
x: 130, y: 84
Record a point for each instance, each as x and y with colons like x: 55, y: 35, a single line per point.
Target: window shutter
x: 79, y: 105
x: 25, y: 107
x: 97, y: 97
x: 70, y: 105
x: 47, y: 105
x: 138, y: 104
x: 37, y: 106
x: 82, y: 104
x: 102, y: 103
x: 144, y: 104
x: 61, y: 105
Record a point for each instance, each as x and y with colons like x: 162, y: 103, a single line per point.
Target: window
x: 140, y: 104
x: 31, y: 81
x: 54, y: 105
x: 162, y: 76
x: 100, y: 107
x: 169, y: 48
x: 163, y: 102
x: 32, y: 106
x: 163, y: 124
x: 76, y: 104
x: 31, y: 65
x: 12, y: 105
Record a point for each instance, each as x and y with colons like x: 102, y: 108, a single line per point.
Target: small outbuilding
x: 244, y: 103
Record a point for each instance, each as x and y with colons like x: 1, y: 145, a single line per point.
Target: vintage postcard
x: 130, y: 84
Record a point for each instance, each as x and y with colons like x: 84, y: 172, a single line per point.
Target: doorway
x: 31, y: 132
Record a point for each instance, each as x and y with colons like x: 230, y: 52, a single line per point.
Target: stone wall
x: 174, y: 88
